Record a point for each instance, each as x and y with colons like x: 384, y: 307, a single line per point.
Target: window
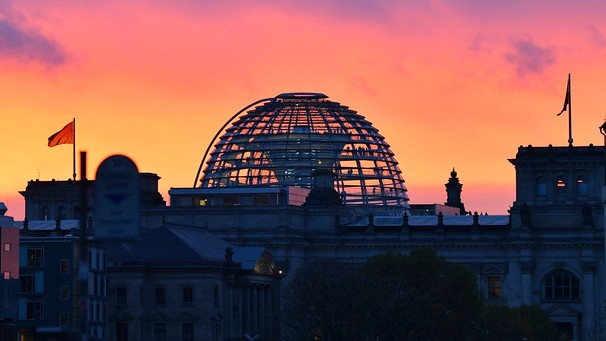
x: 121, y: 295
x: 215, y: 296
x: 122, y: 331
x: 64, y: 292
x: 64, y: 266
x: 64, y: 319
x: 187, y: 332
x: 61, y: 212
x: 581, y: 186
x: 541, y: 186
x: 27, y: 283
x: 44, y: 213
x: 561, y: 284
x: 7, y: 275
x: 494, y: 287
x: 7, y: 247
x: 159, y: 331
x: 560, y: 186
x: 34, y: 310
x: 160, y: 296
x: 34, y: 257
x: 188, y: 295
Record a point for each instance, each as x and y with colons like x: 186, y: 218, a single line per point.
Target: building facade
x: 184, y: 284
x: 49, y: 255
x: 548, y: 250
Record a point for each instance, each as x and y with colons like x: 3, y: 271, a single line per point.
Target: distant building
x: 180, y: 283
x: 58, y: 199
x: 49, y: 266
x: 9, y: 282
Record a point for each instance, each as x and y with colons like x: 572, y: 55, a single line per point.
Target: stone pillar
x: 527, y: 268
x: 228, y: 311
x: 588, y: 297
x: 254, y: 309
x: 262, y: 310
x: 246, y: 309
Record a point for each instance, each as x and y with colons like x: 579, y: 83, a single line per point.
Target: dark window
x: 187, y: 332
x: 160, y: 296
x: 64, y: 319
x: 27, y: 283
x: 44, y: 213
x: 34, y: 310
x: 121, y: 295
x: 64, y: 292
x: 35, y: 257
x: 581, y: 186
x: 494, y: 287
x: 61, y: 212
x: 188, y: 295
x: 64, y: 266
x: 215, y: 296
x: 159, y: 332
x: 121, y: 331
x: 541, y: 186
x: 561, y: 284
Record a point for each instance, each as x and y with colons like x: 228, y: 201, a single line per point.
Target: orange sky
x: 448, y: 83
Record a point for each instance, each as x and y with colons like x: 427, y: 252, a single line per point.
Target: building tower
x: 453, y: 192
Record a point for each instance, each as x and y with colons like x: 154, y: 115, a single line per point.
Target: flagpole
x: 569, y: 112
x: 74, y: 150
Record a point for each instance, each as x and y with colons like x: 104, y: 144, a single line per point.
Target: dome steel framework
x: 282, y: 141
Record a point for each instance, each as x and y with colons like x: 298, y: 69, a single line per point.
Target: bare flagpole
x: 74, y: 150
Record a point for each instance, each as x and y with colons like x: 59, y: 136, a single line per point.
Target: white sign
x: 117, y: 199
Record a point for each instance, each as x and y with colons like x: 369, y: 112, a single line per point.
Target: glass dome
x: 282, y: 141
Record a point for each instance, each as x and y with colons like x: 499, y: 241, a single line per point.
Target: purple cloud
x: 24, y: 46
x: 530, y: 58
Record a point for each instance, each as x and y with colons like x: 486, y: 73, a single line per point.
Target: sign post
x: 117, y: 200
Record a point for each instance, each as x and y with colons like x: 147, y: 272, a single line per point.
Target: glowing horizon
x: 448, y: 83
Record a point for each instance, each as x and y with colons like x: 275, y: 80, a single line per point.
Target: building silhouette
x: 305, y: 178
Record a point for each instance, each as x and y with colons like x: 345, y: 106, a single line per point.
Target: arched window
x: 541, y: 186
x: 560, y: 186
x: 561, y: 284
x: 581, y: 186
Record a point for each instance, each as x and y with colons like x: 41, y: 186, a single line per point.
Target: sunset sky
x: 448, y: 83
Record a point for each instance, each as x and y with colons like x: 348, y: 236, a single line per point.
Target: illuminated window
x: 7, y: 247
x: 560, y: 186
x: 7, y: 275
x: 494, y: 287
x: 561, y: 284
